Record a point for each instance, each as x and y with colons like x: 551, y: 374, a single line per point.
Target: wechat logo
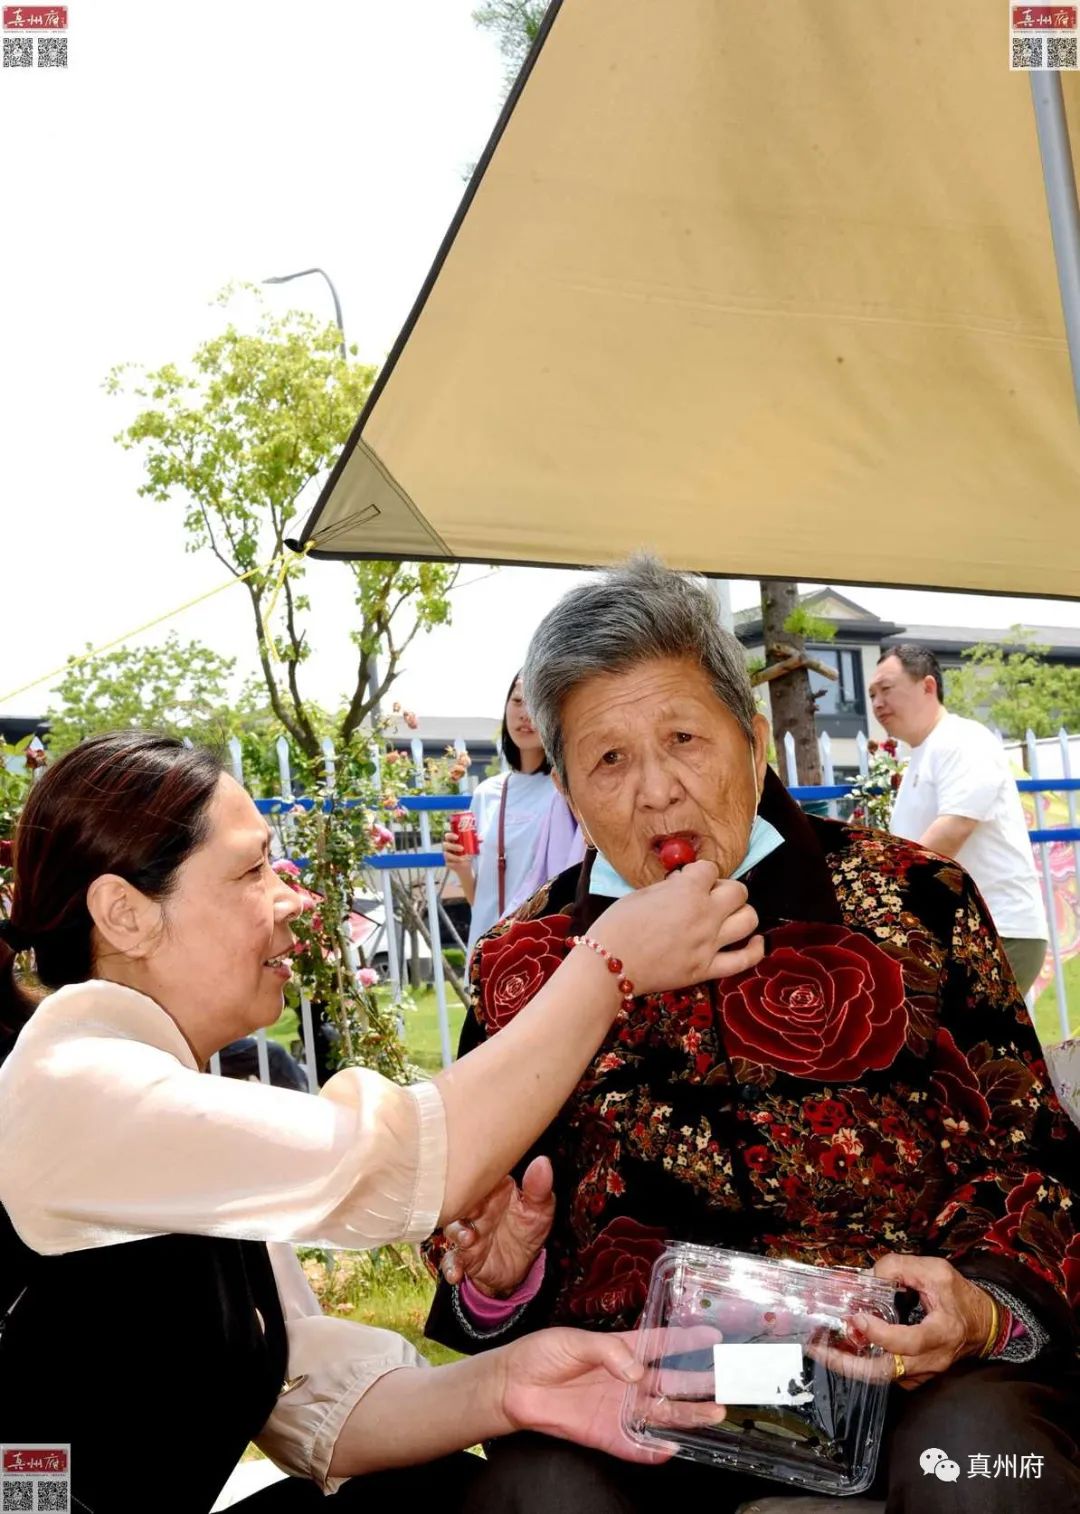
x: 937, y: 1463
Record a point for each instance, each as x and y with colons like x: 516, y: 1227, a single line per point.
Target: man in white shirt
x: 959, y: 798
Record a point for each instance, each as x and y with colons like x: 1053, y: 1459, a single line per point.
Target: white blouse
x: 542, y: 839
x: 110, y: 1133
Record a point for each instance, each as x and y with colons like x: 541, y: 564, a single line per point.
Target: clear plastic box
x: 773, y: 1342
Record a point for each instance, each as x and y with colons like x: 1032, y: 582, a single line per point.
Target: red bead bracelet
x: 614, y: 966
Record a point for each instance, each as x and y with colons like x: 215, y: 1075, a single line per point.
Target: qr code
x: 1027, y: 52
x: 52, y: 52
x: 52, y: 1495
x: 18, y: 52
x: 1061, y: 52
x: 18, y: 1494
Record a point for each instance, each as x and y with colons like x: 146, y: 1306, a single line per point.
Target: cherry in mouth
x: 675, y: 852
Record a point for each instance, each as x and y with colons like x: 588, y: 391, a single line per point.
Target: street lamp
x: 287, y: 278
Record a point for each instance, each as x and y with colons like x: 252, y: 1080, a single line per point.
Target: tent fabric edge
x: 444, y: 249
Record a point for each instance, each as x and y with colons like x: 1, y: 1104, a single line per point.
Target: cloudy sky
x: 187, y: 146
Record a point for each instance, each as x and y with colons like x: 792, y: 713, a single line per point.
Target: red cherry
x: 676, y: 852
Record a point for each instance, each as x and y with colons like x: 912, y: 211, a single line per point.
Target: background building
x: 843, y: 707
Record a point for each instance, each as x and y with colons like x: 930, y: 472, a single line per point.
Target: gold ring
x: 898, y: 1367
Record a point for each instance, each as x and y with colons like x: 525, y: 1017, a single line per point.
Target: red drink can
x: 463, y: 826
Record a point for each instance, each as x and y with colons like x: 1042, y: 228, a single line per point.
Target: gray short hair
x: 634, y: 613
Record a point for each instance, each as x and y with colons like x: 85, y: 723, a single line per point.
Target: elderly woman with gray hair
x: 871, y: 1093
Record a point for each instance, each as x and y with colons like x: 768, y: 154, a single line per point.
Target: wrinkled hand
x: 571, y: 1384
x: 495, y: 1247
x: 958, y: 1317
x: 685, y: 929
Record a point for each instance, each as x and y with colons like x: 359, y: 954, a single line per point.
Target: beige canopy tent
x: 768, y: 289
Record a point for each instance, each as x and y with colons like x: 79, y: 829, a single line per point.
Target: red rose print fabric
x: 824, y: 1003
x: 515, y: 966
x: 614, y: 1271
x: 874, y: 1085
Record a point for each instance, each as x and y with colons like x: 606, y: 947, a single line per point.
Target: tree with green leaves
x: 19, y: 762
x: 177, y: 687
x: 516, y: 25
x: 1011, y: 685
x: 235, y: 439
x: 786, y: 627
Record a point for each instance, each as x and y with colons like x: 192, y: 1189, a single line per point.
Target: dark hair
x: 918, y: 662
x: 133, y: 804
x: 507, y: 745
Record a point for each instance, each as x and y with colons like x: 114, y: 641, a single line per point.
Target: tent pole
x: 1060, y: 184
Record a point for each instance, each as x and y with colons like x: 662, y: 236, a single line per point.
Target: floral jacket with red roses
x: 874, y: 1084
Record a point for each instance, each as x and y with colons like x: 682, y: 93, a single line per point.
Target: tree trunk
x: 790, y: 698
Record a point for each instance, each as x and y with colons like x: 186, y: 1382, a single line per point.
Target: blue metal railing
x: 818, y: 793
x: 802, y: 793
x: 427, y: 859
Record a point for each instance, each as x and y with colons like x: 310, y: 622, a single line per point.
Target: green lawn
x: 390, y: 1288
x: 1047, y: 1022
x: 421, y: 1027
x: 287, y: 1029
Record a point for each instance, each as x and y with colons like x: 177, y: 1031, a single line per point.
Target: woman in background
x: 524, y: 825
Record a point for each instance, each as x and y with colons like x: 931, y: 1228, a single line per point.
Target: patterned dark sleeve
x: 1013, y: 1218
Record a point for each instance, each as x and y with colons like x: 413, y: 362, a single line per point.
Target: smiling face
x: 651, y: 753
x: 206, y: 953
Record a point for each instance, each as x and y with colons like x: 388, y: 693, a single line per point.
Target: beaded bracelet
x: 614, y: 965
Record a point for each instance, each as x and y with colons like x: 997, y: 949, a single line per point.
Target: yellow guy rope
x: 280, y: 561
x: 279, y: 584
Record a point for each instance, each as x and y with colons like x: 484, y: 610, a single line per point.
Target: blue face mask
x: 764, y: 839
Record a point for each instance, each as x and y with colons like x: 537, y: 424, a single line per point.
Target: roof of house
x: 1062, y: 641
x: 852, y: 620
x: 15, y: 728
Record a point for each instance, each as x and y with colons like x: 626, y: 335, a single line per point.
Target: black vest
x: 150, y: 1358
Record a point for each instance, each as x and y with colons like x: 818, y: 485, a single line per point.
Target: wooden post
x: 790, y: 698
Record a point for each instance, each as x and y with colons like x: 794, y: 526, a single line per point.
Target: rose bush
x: 874, y: 792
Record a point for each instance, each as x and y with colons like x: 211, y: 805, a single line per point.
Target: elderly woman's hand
x: 687, y: 929
x: 495, y: 1247
x: 958, y: 1318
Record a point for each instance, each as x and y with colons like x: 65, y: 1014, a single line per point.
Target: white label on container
x: 760, y: 1373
